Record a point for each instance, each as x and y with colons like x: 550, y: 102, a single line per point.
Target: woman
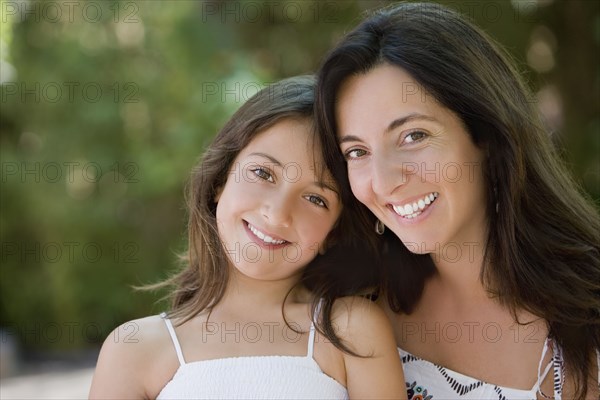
x: 493, y: 287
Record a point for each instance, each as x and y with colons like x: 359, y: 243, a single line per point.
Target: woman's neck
x: 459, y: 263
x: 459, y: 271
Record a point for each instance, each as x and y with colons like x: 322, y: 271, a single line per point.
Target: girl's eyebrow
x: 319, y: 184
x: 326, y: 186
x: 393, y: 125
x: 272, y: 159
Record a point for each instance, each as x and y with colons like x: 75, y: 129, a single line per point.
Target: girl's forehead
x: 291, y: 138
x: 292, y: 144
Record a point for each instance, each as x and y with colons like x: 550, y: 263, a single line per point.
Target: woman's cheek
x: 361, y: 185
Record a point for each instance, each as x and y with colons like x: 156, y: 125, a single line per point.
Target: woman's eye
x: 414, y: 136
x: 316, y: 200
x: 354, y: 153
x: 263, y: 174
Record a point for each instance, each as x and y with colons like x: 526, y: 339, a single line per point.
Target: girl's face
x: 411, y: 161
x: 276, y: 208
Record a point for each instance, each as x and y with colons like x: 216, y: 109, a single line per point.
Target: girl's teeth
x: 408, y: 209
x: 426, y: 200
x: 421, y: 204
x: 265, y: 238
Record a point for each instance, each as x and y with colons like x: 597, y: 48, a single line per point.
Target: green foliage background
x: 171, y: 73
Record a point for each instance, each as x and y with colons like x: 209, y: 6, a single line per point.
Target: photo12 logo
x: 271, y: 11
x: 67, y: 171
x: 69, y: 251
x: 35, y: 332
x: 69, y: 11
x: 68, y: 92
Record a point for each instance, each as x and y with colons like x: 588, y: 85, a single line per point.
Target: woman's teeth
x: 411, y: 210
x: 265, y: 238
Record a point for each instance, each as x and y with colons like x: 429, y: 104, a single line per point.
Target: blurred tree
x: 106, y: 106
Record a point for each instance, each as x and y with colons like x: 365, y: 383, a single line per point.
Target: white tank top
x: 251, y: 377
x: 428, y: 381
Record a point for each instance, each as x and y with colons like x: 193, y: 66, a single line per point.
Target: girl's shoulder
x: 138, y: 357
x: 131, y: 340
x: 366, y: 330
x: 142, y: 331
x: 358, y: 320
x: 357, y: 307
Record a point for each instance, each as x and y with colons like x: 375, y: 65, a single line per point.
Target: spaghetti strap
x: 598, y: 365
x: 559, y: 374
x: 173, y: 338
x: 311, y: 340
x: 311, y: 336
x: 542, y: 376
x: 559, y: 371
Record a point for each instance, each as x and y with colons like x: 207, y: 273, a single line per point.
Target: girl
x: 493, y: 288
x: 243, y: 323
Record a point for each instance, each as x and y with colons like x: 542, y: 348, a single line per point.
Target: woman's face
x: 275, y: 210
x: 411, y: 161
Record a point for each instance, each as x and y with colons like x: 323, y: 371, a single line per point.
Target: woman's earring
x: 496, y: 197
x: 379, y: 227
x: 323, y: 248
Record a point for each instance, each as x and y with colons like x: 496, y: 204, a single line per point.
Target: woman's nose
x: 386, y: 176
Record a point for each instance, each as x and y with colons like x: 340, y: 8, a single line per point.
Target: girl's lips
x: 266, y: 241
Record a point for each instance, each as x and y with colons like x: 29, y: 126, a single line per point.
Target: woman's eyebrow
x: 410, y: 117
x: 393, y: 125
x: 349, y: 138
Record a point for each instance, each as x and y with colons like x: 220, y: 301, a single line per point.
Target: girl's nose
x: 277, y: 210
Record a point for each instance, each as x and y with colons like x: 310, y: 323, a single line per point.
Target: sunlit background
x: 106, y: 106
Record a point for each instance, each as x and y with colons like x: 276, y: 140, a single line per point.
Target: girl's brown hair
x: 201, y: 283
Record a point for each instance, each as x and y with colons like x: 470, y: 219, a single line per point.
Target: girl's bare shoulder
x: 136, y: 360
x: 354, y: 315
x: 132, y: 339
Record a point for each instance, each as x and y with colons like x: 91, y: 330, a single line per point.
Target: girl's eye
x: 263, y: 174
x: 414, y: 136
x: 316, y: 200
x: 354, y: 153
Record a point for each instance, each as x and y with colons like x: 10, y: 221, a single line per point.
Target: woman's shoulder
x: 135, y: 354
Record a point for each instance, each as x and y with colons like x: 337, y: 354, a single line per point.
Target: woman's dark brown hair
x: 543, y: 245
x: 200, y: 285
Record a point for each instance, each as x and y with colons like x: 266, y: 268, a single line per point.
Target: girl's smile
x: 276, y: 208
x: 265, y: 240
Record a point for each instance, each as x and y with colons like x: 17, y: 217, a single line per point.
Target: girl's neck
x: 247, y: 293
